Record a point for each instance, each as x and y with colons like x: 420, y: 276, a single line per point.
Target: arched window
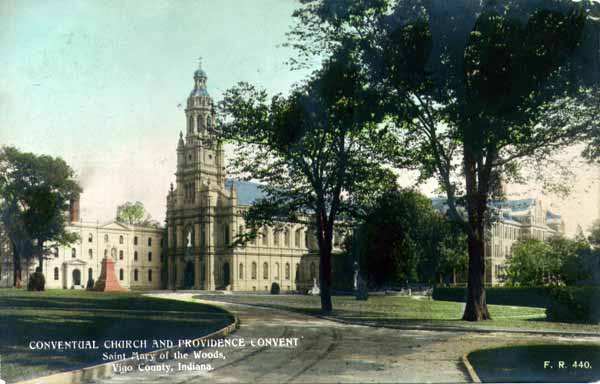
x: 276, y: 238
x: 149, y: 241
x: 135, y: 240
x: 226, y: 234
x: 90, y: 274
x: 191, y: 127
x: 55, y: 273
x: 121, y: 274
x: 135, y: 274
x: 73, y: 253
x: 56, y: 252
x: 265, y: 271
x: 253, y: 271
x: 149, y: 275
x: 208, y: 122
x: 312, y: 271
x: 121, y: 254
x: 287, y: 271
x: 106, y: 238
x: 276, y: 272
x: 120, y: 239
x: 90, y: 253
x: 241, y: 271
x: 199, y: 121
x: 286, y: 237
x: 90, y: 237
x: 297, y: 272
x: 135, y: 255
x: 149, y: 256
x: 297, y: 238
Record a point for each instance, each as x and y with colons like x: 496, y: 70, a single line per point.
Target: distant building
x: 136, y: 250
x: 514, y: 220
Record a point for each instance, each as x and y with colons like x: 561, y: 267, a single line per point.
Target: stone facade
x: 514, y: 220
x: 518, y: 220
x: 137, y: 252
x: 205, y: 215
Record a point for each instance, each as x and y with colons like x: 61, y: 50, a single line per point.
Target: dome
x: 200, y: 73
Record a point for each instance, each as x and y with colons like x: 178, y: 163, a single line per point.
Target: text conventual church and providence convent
x: 205, y: 214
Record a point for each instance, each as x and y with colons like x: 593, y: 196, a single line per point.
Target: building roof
x: 247, y: 192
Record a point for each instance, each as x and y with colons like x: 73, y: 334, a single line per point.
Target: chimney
x: 74, y: 209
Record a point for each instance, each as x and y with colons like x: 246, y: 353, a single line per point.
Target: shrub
x: 275, y: 289
x: 36, y: 282
x: 574, y: 304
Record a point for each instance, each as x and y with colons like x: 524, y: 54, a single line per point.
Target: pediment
x: 114, y: 225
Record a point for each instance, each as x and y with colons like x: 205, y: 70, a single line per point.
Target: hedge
x: 517, y: 296
x: 574, y: 304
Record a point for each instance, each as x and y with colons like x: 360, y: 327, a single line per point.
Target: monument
x: 107, y: 282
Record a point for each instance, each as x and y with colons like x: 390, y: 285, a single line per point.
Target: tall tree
x: 471, y: 89
x: 310, y: 149
x: 35, y: 192
x: 403, y: 238
x: 134, y: 214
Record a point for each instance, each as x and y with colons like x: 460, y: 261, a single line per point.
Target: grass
x: 81, y: 315
x: 538, y: 363
x: 407, y: 311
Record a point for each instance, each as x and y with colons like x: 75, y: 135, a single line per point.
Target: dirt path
x: 330, y: 352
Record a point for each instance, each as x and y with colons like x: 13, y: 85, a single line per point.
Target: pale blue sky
x: 98, y: 82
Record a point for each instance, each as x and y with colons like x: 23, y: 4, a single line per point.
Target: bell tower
x: 200, y: 157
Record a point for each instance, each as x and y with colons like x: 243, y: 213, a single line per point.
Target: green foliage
x: 515, y: 296
x: 594, y: 237
x: 574, y: 304
x: 404, y: 239
x: 466, y: 101
x: 558, y: 261
x: 36, y: 281
x: 134, y: 214
x: 311, y: 150
x: 35, y: 191
x: 275, y: 289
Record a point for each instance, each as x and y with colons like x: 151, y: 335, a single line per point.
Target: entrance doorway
x: 76, y: 277
x: 189, y: 275
x: 225, y: 275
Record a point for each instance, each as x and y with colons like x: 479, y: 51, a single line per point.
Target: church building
x: 205, y: 214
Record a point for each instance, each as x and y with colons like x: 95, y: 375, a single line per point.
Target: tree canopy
x: 311, y: 151
x: 134, y: 214
x: 35, y: 192
x: 403, y: 238
x: 470, y: 89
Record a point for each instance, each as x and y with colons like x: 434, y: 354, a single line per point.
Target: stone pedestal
x: 107, y: 282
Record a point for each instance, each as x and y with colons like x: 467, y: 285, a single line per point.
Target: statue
x: 315, y: 290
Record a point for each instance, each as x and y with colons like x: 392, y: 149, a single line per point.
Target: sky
x: 98, y: 83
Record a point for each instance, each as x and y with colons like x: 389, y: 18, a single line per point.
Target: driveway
x: 328, y: 352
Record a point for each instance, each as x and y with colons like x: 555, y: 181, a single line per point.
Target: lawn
x: 409, y: 311
x: 79, y: 315
x: 538, y: 363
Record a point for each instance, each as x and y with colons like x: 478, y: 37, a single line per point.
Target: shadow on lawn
x: 27, y: 318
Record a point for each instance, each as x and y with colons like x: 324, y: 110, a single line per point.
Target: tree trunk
x: 324, y: 236
x: 325, y: 280
x: 476, y: 309
x: 477, y: 182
